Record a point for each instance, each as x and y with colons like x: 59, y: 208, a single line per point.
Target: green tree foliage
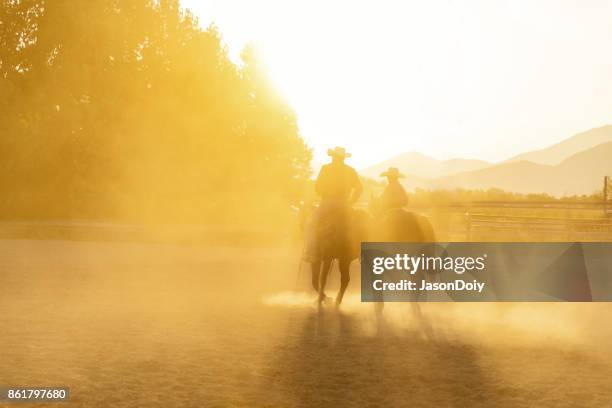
x: 126, y: 109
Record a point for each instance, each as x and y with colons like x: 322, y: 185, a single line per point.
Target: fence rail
x: 523, y: 220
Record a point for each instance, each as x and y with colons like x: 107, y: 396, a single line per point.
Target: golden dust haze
x: 155, y: 183
x: 136, y: 113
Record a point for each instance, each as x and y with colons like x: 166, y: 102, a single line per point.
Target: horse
x: 396, y: 225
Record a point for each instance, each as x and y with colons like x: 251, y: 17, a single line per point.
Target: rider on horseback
x: 339, y: 187
x: 394, y: 196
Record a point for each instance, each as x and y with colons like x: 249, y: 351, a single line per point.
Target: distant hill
x: 421, y: 166
x: 556, y: 153
x: 581, y: 173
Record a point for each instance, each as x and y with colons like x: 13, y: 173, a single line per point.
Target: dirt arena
x: 152, y: 325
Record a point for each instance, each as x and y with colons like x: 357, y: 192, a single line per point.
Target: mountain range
x: 418, y: 164
x: 558, y: 152
x: 575, y: 165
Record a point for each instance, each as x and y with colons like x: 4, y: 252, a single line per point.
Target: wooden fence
x: 520, y: 221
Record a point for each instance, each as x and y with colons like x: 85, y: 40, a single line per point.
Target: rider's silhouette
x: 339, y: 187
x: 394, y: 196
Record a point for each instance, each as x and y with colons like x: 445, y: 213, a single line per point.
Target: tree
x: 127, y: 109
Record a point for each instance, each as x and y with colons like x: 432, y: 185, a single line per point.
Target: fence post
x: 568, y: 225
x: 468, y: 220
x: 605, y: 196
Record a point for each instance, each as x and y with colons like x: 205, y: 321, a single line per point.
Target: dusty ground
x: 147, y: 325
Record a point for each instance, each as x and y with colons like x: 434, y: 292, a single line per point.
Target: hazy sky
x: 476, y: 79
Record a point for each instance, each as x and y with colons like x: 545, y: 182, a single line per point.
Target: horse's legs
x: 323, y: 278
x: 344, y: 279
x: 315, y: 270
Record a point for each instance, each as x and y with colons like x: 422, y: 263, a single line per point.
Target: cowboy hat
x: 392, y: 172
x: 338, y: 152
